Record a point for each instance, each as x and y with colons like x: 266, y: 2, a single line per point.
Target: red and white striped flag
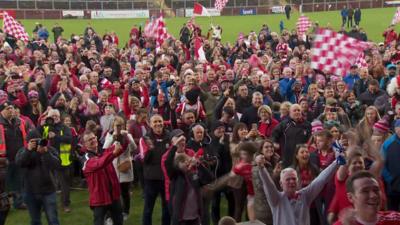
x: 396, y: 16
x: 220, y: 4
x: 335, y: 53
x: 303, y: 24
x: 200, y: 10
x: 13, y: 28
x: 156, y: 29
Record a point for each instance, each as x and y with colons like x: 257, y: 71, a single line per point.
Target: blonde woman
x: 123, y: 163
x: 364, y: 127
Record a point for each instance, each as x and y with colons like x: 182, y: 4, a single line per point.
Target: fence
x: 52, y: 9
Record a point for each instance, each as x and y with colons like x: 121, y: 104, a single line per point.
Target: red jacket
x: 102, y: 180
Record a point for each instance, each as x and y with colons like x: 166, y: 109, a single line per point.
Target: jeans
x: 216, y: 201
x: 14, y: 183
x: 151, y: 190
x: 115, y: 209
x: 349, y: 22
x: 65, y: 178
x: 344, y: 19
x: 46, y: 202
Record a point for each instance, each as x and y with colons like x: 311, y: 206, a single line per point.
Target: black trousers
x: 126, y: 198
x: 153, y: 188
x: 65, y: 179
x: 3, y: 216
x: 115, y: 210
x: 216, y: 201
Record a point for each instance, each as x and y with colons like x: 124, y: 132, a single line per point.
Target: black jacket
x: 250, y: 116
x: 37, y: 178
x: 288, y: 134
x: 152, y: 160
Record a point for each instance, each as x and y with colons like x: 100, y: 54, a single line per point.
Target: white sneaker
x: 125, y: 215
x: 108, y: 221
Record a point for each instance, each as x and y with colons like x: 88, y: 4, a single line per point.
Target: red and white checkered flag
x: 396, y: 16
x: 303, y: 24
x: 335, y: 53
x: 156, y: 29
x: 360, y: 61
x: 13, y: 28
x: 220, y: 4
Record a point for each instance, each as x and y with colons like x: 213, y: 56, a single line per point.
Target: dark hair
x: 323, y: 133
x: 356, y: 176
x: 295, y: 165
x: 235, y: 134
x: 247, y: 146
x: 373, y: 82
x: 260, y: 149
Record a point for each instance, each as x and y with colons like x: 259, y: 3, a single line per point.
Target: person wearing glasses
x: 103, y: 185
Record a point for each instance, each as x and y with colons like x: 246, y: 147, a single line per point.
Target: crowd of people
x: 252, y: 123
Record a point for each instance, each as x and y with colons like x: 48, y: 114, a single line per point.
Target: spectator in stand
x: 250, y: 114
x: 103, y: 185
x: 39, y: 161
x: 351, y: 78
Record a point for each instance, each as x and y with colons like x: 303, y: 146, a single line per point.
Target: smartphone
x: 254, y: 126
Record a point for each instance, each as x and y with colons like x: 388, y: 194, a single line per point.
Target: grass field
x: 374, y: 21
x: 81, y: 213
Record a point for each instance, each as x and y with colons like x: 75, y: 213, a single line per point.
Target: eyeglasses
x: 91, y: 139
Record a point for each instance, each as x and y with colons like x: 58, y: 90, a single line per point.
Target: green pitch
x: 374, y: 21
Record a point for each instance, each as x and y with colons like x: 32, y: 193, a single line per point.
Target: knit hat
x: 33, y: 134
x: 5, y: 105
x: 316, y: 126
x: 381, y: 126
x: 33, y: 94
x: 217, y: 124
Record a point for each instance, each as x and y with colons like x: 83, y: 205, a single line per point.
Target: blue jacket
x: 350, y: 80
x: 283, y: 86
x: 344, y: 12
x: 391, y: 154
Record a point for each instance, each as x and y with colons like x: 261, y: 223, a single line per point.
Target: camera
x: 334, y: 109
x: 43, y: 142
x: 49, y: 121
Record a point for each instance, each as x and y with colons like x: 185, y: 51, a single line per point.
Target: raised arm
x: 268, y: 184
x: 316, y: 186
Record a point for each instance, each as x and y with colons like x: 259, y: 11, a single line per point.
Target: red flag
x: 303, y: 23
x: 220, y: 4
x: 335, y: 53
x: 13, y: 28
x: 198, y: 9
